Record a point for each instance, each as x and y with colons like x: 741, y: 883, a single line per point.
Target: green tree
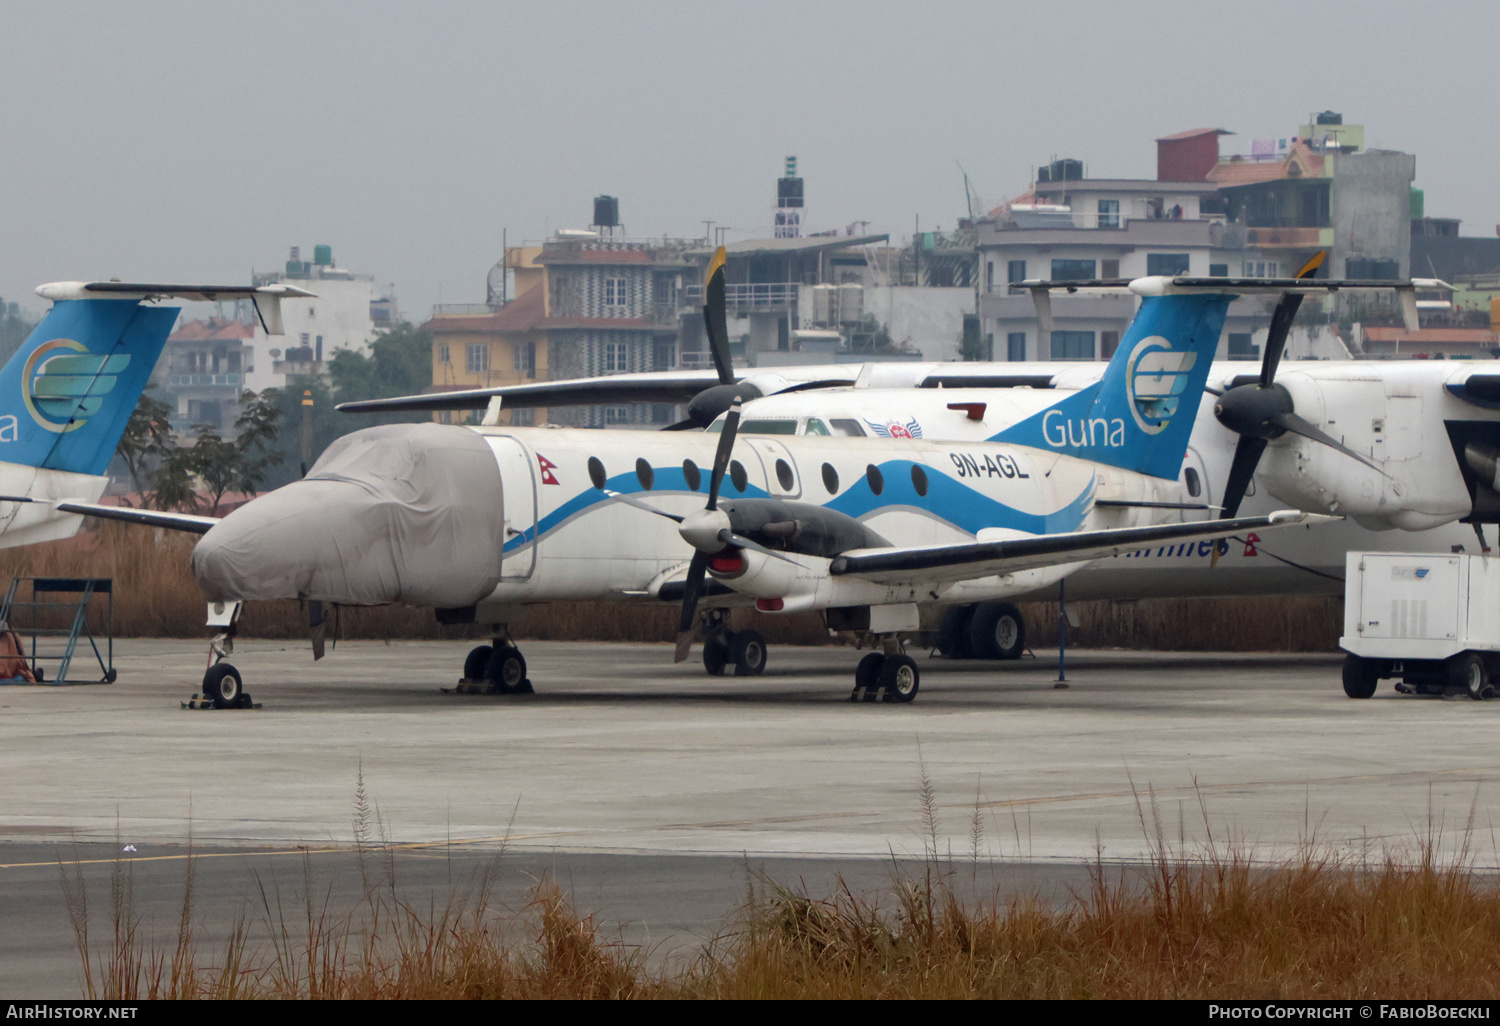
x: 146, y: 441
x: 223, y: 465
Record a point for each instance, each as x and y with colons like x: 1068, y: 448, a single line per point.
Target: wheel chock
x: 201, y: 701
x: 860, y: 694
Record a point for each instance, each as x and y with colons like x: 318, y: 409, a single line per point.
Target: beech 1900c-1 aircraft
x: 478, y: 522
x: 68, y: 392
x: 1408, y: 444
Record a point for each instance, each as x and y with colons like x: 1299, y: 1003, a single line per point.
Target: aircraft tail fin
x: 67, y: 393
x: 1140, y: 414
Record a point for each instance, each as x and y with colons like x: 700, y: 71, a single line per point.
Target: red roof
x: 521, y: 314
x: 213, y: 329
x: 1300, y: 162
x: 1192, y: 133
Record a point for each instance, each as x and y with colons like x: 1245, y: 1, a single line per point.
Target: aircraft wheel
x: 997, y: 631
x: 900, y: 678
x: 715, y: 655
x: 867, y: 673
x: 222, y: 685
x: 477, y: 661
x: 747, y: 650
x: 1467, y: 670
x: 1360, y: 676
x: 507, y: 669
x: 953, y: 632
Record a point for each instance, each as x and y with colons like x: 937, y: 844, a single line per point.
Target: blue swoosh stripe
x: 948, y: 499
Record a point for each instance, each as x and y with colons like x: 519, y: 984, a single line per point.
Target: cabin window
x: 784, y: 475
x: 1193, y: 482
x: 768, y: 427
x: 830, y: 479
x: 847, y: 429
x: 738, y: 477
x: 596, y: 472
x: 644, y: 474
x: 691, y: 475
x: 919, y: 479
x: 874, y: 478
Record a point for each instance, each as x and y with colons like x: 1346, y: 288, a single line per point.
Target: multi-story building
x: 202, y: 372
x: 347, y: 312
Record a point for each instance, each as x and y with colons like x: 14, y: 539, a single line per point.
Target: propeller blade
x: 715, y: 320
x: 1246, y: 457
x: 690, y: 590
x: 631, y: 500
x: 1281, y: 322
x: 721, y: 455
x: 1297, y: 426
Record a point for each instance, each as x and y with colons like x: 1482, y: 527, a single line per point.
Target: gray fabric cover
x: 403, y: 513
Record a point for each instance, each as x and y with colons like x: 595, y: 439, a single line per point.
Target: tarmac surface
x: 654, y: 792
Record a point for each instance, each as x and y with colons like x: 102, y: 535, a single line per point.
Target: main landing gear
x: 989, y: 630
x: 889, y: 675
x: 497, y: 669
x: 722, y: 648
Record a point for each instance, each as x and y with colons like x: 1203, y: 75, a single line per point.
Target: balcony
x: 205, y: 381
x: 744, y: 298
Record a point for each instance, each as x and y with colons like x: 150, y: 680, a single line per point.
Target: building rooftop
x: 215, y: 329
x: 523, y: 313
x: 1300, y: 162
x: 1120, y: 185
x: 1193, y: 133
x: 781, y: 247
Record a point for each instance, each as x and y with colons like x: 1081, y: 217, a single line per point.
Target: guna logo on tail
x: 1155, y: 377
x: 63, y: 384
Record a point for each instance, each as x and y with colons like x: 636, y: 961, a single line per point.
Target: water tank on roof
x: 1067, y: 170
x: 851, y: 303
x: 323, y: 256
x: 825, y: 303
x: 1329, y: 117
x: 606, y: 211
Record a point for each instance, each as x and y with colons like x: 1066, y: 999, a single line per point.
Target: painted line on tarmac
x: 413, y: 846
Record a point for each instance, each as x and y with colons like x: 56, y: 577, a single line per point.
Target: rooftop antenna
x: 968, y: 194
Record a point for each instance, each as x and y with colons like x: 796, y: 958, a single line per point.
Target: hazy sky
x: 196, y: 141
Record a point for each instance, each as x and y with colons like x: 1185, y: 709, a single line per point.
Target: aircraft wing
x: 981, y: 559
x: 150, y: 517
x: 651, y: 387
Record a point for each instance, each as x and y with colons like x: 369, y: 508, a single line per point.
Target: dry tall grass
x: 1313, y: 927
x: 155, y: 596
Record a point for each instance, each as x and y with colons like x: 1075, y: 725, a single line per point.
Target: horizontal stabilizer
x: 982, y: 559
x: 149, y: 517
x: 267, y: 298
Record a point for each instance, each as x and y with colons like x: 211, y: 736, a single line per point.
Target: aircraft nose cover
x: 403, y: 513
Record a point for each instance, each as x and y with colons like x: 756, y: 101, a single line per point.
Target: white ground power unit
x: 1431, y: 620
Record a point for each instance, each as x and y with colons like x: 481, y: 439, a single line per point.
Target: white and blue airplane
x: 68, y: 392
x: 482, y: 522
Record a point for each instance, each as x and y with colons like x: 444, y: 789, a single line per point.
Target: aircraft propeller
x: 1263, y: 410
x: 707, y: 405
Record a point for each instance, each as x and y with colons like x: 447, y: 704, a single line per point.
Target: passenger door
x: 519, y: 500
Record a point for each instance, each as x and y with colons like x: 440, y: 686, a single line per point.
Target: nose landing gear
x: 223, y: 687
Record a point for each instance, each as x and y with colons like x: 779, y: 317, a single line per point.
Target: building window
x: 617, y: 415
x: 989, y: 276
x: 1240, y: 347
x: 1109, y: 268
x: 662, y: 351
x: 1218, y: 270
x: 1072, y: 345
x: 477, y: 357
x: 1015, y: 271
x: 522, y: 418
x: 523, y: 356
x: 1015, y: 346
x: 1109, y: 213
x: 1369, y: 269
x: 1261, y: 269
x: 1072, y: 270
x: 443, y: 353
x: 1166, y: 264
x: 614, y: 292
x: 1109, y: 341
x: 616, y: 357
